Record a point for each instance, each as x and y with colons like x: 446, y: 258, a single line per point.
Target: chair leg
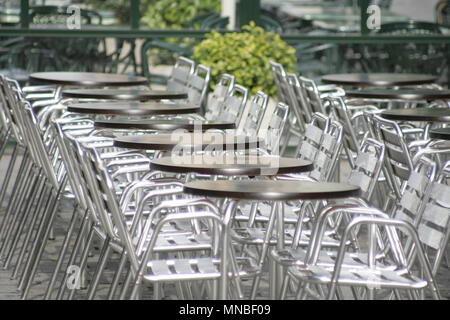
x: 22, y: 224
x: 84, y: 256
x: 264, y: 249
x: 62, y: 253
x: 12, y: 202
x: 40, y: 209
x: 19, y: 214
x: 103, y: 258
x: 115, y: 282
x: 51, y: 206
x: 41, y: 248
x: 78, y: 242
x: 9, y: 171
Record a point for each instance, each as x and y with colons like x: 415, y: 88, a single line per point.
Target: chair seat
x: 375, y: 278
x: 255, y: 236
x: 182, y: 269
x: 290, y: 256
x: 179, y: 242
x: 290, y: 213
x: 194, y: 269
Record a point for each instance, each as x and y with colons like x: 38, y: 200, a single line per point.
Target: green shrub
x: 245, y: 55
x: 162, y: 14
x: 159, y: 14
x: 121, y: 8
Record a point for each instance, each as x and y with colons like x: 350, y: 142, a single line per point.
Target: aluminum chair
x: 409, y: 210
x: 105, y: 187
x: 371, y: 275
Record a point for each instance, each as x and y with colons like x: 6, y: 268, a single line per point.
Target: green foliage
x: 121, y: 8
x: 245, y: 55
x: 163, y: 14
x: 159, y: 14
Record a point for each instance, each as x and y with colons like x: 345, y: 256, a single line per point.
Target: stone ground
x: 8, y: 286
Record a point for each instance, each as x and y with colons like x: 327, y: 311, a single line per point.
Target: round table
x: 188, y: 142
x: 378, y: 79
x: 271, y: 190
x: 400, y: 94
x: 132, y: 108
x: 123, y: 94
x: 165, y: 125
x: 442, y: 134
x: 231, y: 165
x: 87, y: 79
x: 418, y: 114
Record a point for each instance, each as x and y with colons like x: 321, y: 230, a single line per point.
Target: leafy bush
x: 161, y: 14
x: 121, y: 8
x: 245, y: 55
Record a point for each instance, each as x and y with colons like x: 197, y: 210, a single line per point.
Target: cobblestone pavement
x: 8, y: 286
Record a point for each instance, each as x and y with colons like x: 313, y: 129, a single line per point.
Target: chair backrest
x: 198, y: 84
x: 367, y: 167
x: 398, y: 157
x: 214, y: 22
x: 341, y: 112
x: 414, y: 191
x: 215, y: 103
x: 329, y: 152
x: 442, y: 12
x: 253, y: 114
x: 434, y: 223
x: 299, y: 104
x: 180, y: 74
x: 312, y: 95
x: 272, y: 134
x: 279, y: 76
x: 312, y: 139
x: 234, y: 105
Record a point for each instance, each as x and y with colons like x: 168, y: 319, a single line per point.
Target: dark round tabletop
x: 418, y: 114
x: 231, y: 165
x: 442, y: 133
x: 400, y: 94
x: 167, y: 125
x: 271, y: 190
x: 86, y: 79
x: 123, y: 94
x: 378, y: 79
x: 132, y: 108
x: 188, y: 142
